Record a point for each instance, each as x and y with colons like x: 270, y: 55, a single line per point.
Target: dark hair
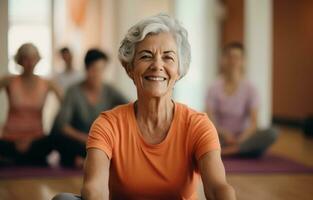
x: 64, y: 50
x: 233, y: 45
x: 93, y: 55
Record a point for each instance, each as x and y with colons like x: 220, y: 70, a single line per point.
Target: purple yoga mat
x: 37, y: 172
x: 265, y: 164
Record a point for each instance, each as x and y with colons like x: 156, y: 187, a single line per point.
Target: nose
x: 157, y: 64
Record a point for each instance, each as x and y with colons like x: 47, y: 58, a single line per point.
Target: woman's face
x: 95, y: 72
x: 155, y: 65
x: 29, y: 62
x: 233, y: 61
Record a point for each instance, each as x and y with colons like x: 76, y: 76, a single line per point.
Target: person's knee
x: 272, y: 134
x: 66, y: 196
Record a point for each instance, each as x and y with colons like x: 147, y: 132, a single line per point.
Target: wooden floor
x: 254, y: 186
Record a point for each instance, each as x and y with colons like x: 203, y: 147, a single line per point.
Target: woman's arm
x: 213, y: 177
x: 4, y: 82
x: 96, y: 176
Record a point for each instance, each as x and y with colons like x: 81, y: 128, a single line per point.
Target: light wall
x: 3, y: 55
x: 258, y: 42
x: 201, y: 20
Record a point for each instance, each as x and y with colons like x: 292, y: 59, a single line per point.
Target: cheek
x: 174, y: 74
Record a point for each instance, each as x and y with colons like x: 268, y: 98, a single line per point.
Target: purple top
x: 231, y: 112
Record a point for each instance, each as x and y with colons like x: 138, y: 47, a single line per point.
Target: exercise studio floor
x: 291, y: 144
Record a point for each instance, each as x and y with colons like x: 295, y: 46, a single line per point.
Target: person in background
x: 232, y: 103
x: 82, y: 104
x: 69, y: 76
x: 23, y: 141
x: 154, y: 148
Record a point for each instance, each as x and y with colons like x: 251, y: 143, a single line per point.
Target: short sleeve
x: 101, y: 135
x: 205, y: 138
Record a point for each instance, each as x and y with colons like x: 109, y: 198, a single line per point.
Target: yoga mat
x: 15, y: 172
x: 265, y: 164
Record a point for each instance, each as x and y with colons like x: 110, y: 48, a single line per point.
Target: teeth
x: 153, y: 78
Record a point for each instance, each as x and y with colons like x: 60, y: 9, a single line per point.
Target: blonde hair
x: 25, y: 50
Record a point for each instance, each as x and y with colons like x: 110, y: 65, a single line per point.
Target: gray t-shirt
x: 79, y: 113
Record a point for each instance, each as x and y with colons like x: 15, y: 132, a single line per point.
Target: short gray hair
x: 154, y: 25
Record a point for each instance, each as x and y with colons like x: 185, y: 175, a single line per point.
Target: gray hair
x: 25, y: 50
x: 154, y: 25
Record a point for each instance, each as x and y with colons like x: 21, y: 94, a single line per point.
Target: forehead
x: 161, y: 41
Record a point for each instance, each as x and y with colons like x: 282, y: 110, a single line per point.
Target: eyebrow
x: 170, y: 51
x: 148, y: 51
x: 145, y: 51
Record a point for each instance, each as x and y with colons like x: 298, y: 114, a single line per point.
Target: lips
x: 155, y: 78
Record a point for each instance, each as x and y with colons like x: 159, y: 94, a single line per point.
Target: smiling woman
x: 156, y: 64
x: 153, y: 148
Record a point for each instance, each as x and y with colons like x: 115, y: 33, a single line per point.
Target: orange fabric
x: 143, y: 171
x: 25, y: 110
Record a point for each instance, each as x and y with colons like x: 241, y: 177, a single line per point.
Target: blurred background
x: 278, y: 38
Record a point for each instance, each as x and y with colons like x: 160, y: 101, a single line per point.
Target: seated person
x: 23, y: 141
x: 70, y: 75
x: 154, y: 148
x: 232, y: 103
x: 82, y: 104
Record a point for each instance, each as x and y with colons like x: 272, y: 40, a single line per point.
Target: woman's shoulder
x: 193, y: 119
x: 5, y: 81
x: 189, y: 114
x: 118, y: 113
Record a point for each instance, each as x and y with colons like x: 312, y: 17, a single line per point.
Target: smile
x: 155, y: 78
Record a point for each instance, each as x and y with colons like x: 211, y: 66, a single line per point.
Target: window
x: 30, y: 21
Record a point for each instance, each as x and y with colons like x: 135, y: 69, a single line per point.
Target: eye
x: 145, y: 57
x: 168, y: 57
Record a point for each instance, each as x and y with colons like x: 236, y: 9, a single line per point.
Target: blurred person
x: 69, y: 76
x: 83, y: 102
x: 155, y: 147
x: 23, y: 141
x: 232, y: 103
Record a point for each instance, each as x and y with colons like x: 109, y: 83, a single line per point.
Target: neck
x: 69, y: 67
x: 27, y: 75
x: 232, y: 78
x: 154, y: 111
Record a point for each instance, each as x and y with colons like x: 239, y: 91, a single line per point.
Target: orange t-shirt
x: 139, y: 170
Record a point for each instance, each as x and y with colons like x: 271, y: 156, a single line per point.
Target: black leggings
x: 35, y: 155
x: 69, y: 149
